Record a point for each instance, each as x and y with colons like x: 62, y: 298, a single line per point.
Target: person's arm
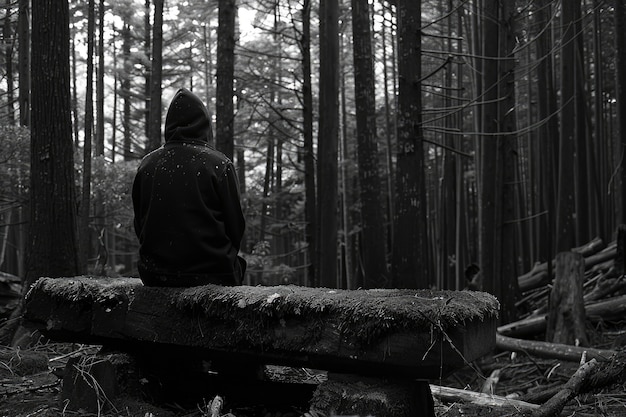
x: 136, y: 198
x: 233, y: 214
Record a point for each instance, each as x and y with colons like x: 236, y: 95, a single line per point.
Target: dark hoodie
x: 188, y: 215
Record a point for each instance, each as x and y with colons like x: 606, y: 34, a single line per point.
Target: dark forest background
x: 378, y: 143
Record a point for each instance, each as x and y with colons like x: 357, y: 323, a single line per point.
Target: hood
x: 187, y: 118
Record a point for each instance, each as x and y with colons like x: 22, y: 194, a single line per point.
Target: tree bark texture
x: 154, y: 125
x: 125, y: 87
x: 566, y: 320
x: 620, y: 91
x: 490, y: 162
x: 85, y: 200
x: 99, y: 142
x: 565, y: 220
x: 506, y: 275
x: 327, y: 144
x: 373, y: 247
x: 24, y: 61
x: 224, y: 110
x: 547, y: 156
x: 52, y: 233
x: 310, y: 205
x: 410, y: 261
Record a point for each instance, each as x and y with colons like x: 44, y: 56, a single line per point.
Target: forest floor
x: 31, y: 380
x: 30, y: 386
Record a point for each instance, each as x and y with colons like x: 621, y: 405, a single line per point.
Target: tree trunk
x: 310, y: 207
x: 490, y: 162
x: 565, y: 233
x: 327, y: 144
x: 8, y: 59
x: 85, y: 201
x: 115, y: 101
x: 154, y: 127
x: 99, y: 139
x: 546, y: 156
x: 389, y: 135
x: 448, y: 203
x: 75, y: 118
x: 508, y: 150
x: 53, y: 249
x: 620, y: 91
x: 347, y: 276
x: 410, y: 262
x: 147, y: 45
x: 125, y: 84
x: 583, y: 150
x: 23, y: 33
x: 373, y: 240
x: 224, y: 129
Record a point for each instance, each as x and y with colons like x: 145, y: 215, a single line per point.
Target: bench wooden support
x: 350, y: 395
x: 92, y: 383
x: 399, y: 335
x: 95, y: 383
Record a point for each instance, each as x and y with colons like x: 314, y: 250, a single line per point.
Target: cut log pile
x: 604, y: 287
x: 582, y: 292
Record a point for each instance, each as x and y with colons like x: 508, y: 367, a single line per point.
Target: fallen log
x: 605, y: 255
x: 571, y: 389
x: 551, y: 350
x: 607, y: 310
x: 538, y: 275
x: 449, y: 394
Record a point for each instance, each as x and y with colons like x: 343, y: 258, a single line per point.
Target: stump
x: 566, y: 318
x: 91, y: 383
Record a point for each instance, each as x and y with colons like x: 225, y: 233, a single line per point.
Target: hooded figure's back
x: 188, y: 215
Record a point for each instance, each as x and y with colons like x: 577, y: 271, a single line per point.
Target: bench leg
x: 346, y: 394
x: 92, y: 382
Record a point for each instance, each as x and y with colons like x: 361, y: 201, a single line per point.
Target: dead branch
x: 555, y: 405
x: 454, y: 394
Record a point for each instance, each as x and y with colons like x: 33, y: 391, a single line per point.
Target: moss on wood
x: 365, y: 315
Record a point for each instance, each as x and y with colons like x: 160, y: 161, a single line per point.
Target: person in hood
x: 186, y: 202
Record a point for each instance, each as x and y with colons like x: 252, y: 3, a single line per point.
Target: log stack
x: 582, y: 289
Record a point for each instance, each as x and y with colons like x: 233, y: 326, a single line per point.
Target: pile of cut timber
x: 604, y: 290
x: 416, y: 333
x: 603, y: 283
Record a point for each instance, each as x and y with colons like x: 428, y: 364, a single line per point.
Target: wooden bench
x: 404, y: 337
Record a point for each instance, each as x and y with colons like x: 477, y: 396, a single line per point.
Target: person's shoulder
x: 150, y: 157
x: 216, y: 155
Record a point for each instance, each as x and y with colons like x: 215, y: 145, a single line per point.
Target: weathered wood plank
x: 417, y: 333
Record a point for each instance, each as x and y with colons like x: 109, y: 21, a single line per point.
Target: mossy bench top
x: 312, y: 326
